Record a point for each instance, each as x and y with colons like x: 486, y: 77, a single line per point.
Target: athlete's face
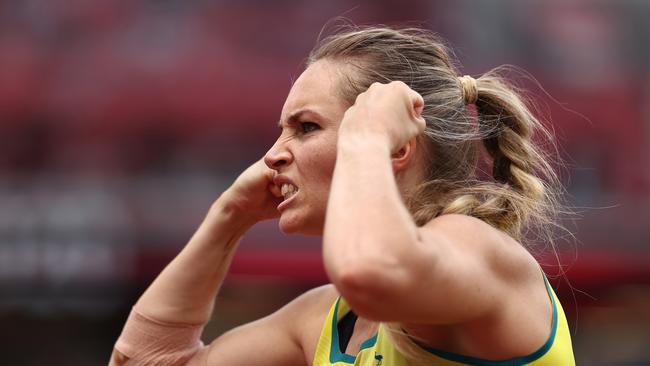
x: 305, y: 153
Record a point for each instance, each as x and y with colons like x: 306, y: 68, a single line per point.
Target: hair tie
x: 470, y: 92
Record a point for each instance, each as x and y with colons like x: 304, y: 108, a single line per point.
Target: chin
x: 292, y: 225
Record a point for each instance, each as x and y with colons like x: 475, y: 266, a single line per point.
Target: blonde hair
x: 466, y: 118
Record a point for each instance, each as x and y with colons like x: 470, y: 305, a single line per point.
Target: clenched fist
x: 391, y: 112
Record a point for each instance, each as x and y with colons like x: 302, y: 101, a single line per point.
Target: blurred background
x: 121, y: 121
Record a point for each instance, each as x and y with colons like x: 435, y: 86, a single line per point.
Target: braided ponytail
x: 524, y: 187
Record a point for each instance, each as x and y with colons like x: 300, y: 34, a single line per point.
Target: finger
x: 268, y: 172
x: 275, y: 190
x: 417, y: 103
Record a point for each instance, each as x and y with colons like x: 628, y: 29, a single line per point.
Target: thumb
x: 275, y: 191
x: 417, y: 103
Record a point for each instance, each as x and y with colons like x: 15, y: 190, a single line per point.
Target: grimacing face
x: 304, y: 154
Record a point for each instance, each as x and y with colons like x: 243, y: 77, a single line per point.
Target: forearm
x: 185, y: 290
x: 367, y: 221
x: 148, y: 341
x: 165, y: 325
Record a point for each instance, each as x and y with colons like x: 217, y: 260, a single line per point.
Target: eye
x: 307, y: 127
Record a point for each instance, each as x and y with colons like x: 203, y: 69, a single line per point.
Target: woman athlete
x: 379, y: 153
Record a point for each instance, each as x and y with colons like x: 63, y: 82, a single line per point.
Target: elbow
x: 117, y: 359
x: 365, y: 286
x: 359, y: 287
x: 374, y: 276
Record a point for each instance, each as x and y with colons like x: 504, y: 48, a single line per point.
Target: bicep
x: 265, y: 342
x: 454, y: 274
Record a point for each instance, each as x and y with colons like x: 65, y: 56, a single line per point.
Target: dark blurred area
x: 122, y: 121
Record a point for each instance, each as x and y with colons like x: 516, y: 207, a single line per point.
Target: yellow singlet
x: 378, y: 350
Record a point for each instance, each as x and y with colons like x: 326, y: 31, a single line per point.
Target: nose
x: 278, y: 156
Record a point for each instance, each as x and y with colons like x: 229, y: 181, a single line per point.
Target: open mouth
x: 288, y: 190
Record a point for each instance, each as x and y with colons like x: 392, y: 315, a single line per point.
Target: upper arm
x: 278, y: 339
x: 460, y: 269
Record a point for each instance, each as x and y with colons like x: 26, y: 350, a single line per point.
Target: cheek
x: 316, y: 165
x: 321, y: 168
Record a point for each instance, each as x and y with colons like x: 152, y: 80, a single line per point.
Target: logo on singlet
x: 379, y: 359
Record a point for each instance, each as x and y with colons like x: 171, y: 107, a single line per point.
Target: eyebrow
x: 295, y: 116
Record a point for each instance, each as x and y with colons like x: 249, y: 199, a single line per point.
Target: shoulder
x: 461, y: 225
x: 308, y: 311
x: 317, y: 298
x: 468, y: 236
x: 471, y: 232
x: 309, y: 306
x: 492, y: 283
x: 306, y: 315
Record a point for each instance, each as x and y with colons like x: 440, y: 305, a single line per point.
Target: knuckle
x: 376, y: 87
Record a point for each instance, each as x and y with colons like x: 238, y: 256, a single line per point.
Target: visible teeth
x: 288, y: 190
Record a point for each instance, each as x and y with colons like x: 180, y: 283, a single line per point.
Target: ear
x: 404, y: 156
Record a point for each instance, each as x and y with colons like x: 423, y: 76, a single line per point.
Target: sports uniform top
x: 379, y: 351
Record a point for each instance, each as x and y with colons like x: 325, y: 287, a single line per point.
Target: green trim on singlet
x: 556, y: 350
x: 518, y: 361
x: 336, y: 354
